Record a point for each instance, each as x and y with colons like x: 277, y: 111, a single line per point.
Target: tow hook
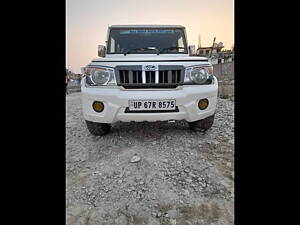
x: 171, y: 121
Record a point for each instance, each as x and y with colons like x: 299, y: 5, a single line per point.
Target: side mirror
x: 192, y: 49
x: 101, y: 50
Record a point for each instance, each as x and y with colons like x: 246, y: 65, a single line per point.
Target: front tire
x: 98, y: 129
x: 202, y: 125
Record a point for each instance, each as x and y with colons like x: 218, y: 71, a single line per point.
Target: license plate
x: 139, y: 105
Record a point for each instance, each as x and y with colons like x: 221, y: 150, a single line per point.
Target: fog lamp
x: 98, y: 106
x: 203, y: 103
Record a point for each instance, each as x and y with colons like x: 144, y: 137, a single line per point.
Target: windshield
x: 147, y: 41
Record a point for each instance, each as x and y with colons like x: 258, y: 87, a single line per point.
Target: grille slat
x: 130, y: 76
x: 169, y: 76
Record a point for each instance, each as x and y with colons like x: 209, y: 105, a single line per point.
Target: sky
x: 87, y: 22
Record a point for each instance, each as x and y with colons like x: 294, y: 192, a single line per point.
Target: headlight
x: 198, y: 74
x: 99, y: 76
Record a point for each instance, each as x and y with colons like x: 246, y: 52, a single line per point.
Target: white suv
x: 146, y: 73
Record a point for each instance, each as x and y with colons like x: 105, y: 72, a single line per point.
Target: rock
x: 120, y: 181
x: 172, y: 213
x: 228, y: 164
x: 158, y: 214
x: 173, y: 222
x: 186, y: 192
x: 135, y: 159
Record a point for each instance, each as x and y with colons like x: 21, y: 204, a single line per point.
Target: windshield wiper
x: 171, y: 48
x: 141, y: 49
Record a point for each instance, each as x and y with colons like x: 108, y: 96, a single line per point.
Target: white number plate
x: 139, y: 105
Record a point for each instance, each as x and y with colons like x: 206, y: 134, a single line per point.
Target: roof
x: 203, y: 48
x: 146, y: 26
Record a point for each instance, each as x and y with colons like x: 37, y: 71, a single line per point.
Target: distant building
x: 206, y: 51
x: 216, y: 55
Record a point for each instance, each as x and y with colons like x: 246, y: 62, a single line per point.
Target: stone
x: 172, y: 213
x: 173, y: 222
x: 186, y: 192
x: 135, y: 159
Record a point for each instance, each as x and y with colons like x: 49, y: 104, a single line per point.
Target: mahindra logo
x: 150, y: 67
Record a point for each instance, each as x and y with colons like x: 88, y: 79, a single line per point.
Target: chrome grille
x: 135, y: 77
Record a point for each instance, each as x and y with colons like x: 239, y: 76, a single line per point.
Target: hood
x: 148, y: 57
x: 141, y: 59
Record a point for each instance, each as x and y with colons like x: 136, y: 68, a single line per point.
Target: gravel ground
x: 183, y: 177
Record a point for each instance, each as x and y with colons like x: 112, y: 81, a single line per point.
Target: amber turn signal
x: 98, y: 106
x: 203, y: 103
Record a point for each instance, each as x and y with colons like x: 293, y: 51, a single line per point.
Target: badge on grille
x: 150, y: 67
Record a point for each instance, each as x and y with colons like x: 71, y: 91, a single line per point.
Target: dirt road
x: 182, y: 178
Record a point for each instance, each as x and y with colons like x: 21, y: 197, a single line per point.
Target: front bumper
x: 116, y: 99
